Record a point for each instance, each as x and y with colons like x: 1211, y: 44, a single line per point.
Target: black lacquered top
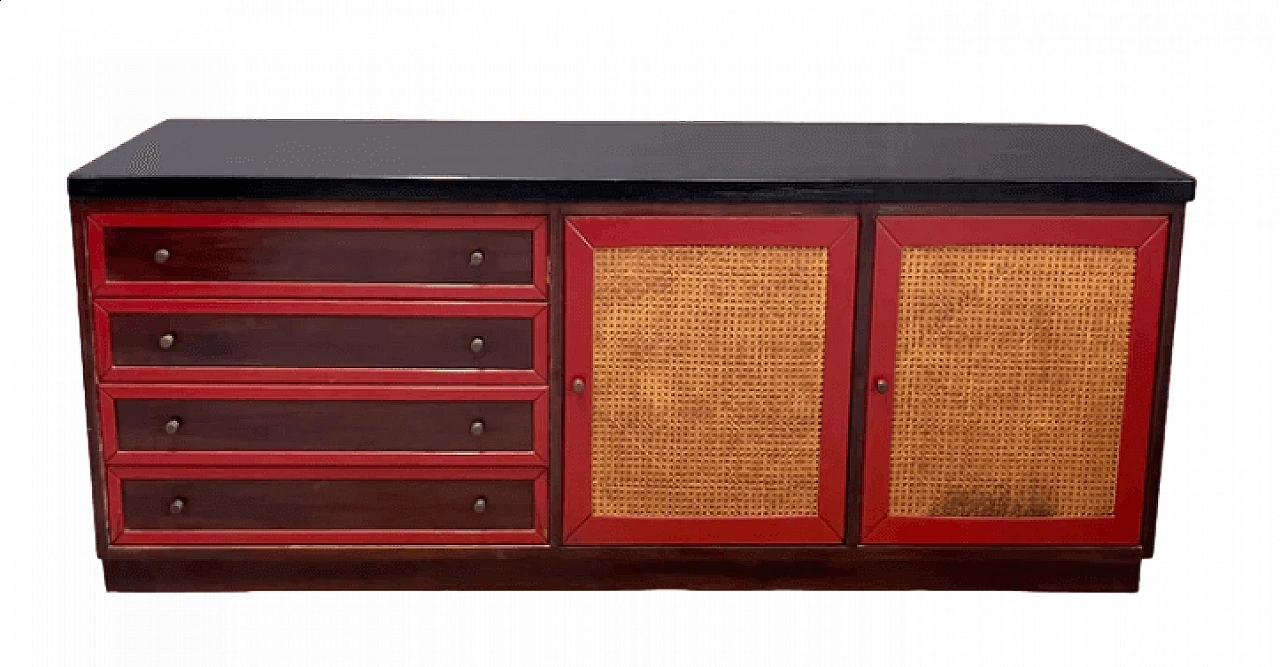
x: 538, y: 161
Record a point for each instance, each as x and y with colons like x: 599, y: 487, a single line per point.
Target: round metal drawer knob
x: 172, y: 426
x: 477, y: 428
x: 477, y: 257
x: 167, y: 341
x: 882, y: 386
x: 480, y: 505
x: 177, y: 506
x: 579, y: 385
x: 477, y: 345
x: 161, y: 256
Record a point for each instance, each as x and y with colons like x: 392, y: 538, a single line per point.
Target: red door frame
x: 583, y: 234
x: 112, y: 454
x: 97, y: 223
x: 1148, y: 234
x: 120, y: 535
x: 103, y: 309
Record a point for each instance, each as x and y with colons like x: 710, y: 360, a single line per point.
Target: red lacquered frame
x: 102, y: 286
x: 109, y: 372
x: 120, y: 535
x: 585, y: 233
x: 1149, y: 235
x: 112, y: 454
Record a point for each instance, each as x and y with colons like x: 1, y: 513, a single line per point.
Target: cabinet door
x: 1011, y: 379
x: 707, y: 366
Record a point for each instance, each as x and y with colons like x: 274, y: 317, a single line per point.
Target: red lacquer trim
x: 541, y: 345
x: 293, y: 458
x: 101, y: 286
x: 946, y: 530
x: 833, y: 457
x: 95, y: 241
x: 107, y: 422
x: 624, y: 231
x: 886, y: 273
x: 1144, y: 336
x: 582, y: 235
x: 928, y: 230
x: 309, y: 375
x: 115, y: 508
x: 325, y: 473
x: 579, y: 280
x: 537, y: 455
x: 542, y: 426
x: 286, y: 537
x: 1149, y: 235
x: 537, y: 312
x: 325, y: 307
x: 318, y: 221
x: 541, y: 264
x: 101, y: 339
x: 541, y: 506
x: 705, y: 531
x: 122, y: 536
x: 299, y: 290
x: 324, y: 392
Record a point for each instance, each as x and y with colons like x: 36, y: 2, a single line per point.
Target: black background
x: 123, y: 68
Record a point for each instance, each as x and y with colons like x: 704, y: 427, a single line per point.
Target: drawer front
x: 265, y: 425
x: 313, y: 341
x: 324, y: 425
x: 325, y: 506
x: 147, y: 254
x: 303, y: 341
x: 319, y: 255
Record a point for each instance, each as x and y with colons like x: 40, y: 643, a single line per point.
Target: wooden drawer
x: 255, y: 255
x: 326, y: 506
x: 323, y: 425
x: 321, y: 341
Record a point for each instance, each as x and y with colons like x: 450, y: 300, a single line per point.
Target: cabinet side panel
x: 83, y: 302
x: 1163, y: 366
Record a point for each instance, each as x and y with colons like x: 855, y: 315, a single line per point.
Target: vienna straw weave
x: 707, y: 370
x: 1010, y: 380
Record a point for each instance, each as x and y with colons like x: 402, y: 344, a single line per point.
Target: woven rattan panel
x: 1010, y: 380
x: 707, y: 381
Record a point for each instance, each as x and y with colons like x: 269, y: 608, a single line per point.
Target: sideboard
x: 508, y: 355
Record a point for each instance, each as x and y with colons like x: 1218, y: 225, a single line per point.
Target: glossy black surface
x: 523, y: 161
